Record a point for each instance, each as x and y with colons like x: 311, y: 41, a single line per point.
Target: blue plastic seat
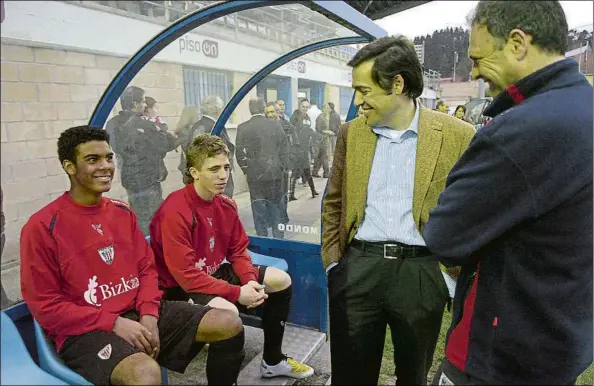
x: 269, y: 261
x: 260, y: 259
x: 50, y: 362
x: 18, y: 368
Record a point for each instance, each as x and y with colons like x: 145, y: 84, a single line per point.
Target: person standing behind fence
x: 140, y: 146
x: 302, y: 159
x: 323, y: 146
x: 335, y: 123
x: 184, y: 130
x: 211, y: 108
x: 272, y: 112
x: 151, y: 114
x: 262, y: 155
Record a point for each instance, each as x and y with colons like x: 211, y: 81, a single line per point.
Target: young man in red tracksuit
x: 89, y: 279
x: 194, y: 230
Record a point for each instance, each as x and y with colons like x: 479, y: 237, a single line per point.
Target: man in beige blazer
x: 390, y: 165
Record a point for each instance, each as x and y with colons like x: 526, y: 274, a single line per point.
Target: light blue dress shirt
x: 388, y: 210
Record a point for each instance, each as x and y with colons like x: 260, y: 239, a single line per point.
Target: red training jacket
x: 190, y: 238
x: 83, y: 266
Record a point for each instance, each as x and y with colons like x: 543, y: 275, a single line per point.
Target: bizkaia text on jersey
x: 109, y: 290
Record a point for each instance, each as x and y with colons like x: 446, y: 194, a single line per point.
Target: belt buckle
x: 386, y: 246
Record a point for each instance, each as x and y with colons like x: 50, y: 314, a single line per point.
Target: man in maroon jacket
x: 194, y: 230
x: 89, y: 279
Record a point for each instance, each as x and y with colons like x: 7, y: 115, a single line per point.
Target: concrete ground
x: 196, y: 375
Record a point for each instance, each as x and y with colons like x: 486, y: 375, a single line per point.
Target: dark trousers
x: 368, y: 292
x: 145, y: 203
x: 305, y: 174
x: 267, y: 206
x: 285, y: 199
x: 322, y: 161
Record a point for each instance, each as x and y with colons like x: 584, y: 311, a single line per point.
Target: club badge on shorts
x: 105, y: 352
x: 444, y: 380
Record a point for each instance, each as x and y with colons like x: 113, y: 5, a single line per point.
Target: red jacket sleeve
x: 238, y: 254
x: 180, y: 257
x: 149, y: 296
x: 41, y: 283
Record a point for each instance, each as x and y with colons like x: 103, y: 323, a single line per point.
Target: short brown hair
x: 393, y: 55
x: 203, y: 147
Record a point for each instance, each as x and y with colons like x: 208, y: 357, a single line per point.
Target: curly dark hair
x: 203, y: 147
x: 543, y: 20
x: 394, y: 55
x: 74, y: 136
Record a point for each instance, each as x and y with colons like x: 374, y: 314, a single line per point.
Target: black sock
x: 274, y: 316
x: 224, y: 360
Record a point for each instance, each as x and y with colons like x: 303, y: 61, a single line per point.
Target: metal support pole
x: 455, y: 60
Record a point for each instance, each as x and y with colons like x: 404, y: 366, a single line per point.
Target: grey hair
x: 273, y: 104
x: 212, y: 105
x: 545, y: 21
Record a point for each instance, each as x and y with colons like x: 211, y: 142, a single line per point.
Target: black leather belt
x: 391, y: 249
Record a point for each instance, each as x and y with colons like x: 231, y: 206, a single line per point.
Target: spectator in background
x: 262, y: 155
x: 442, y: 107
x: 335, y: 123
x: 151, y: 114
x: 313, y: 112
x: 183, y: 130
x: 282, y: 107
x: 272, y: 112
x: 302, y: 161
x: 460, y: 112
x: 211, y: 108
x: 322, y: 145
x: 301, y: 119
x: 140, y: 146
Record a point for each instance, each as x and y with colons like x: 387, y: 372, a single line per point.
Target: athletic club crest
x: 105, y: 352
x: 107, y: 254
x: 211, y: 243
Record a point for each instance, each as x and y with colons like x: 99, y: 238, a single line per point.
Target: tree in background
x: 441, y: 45
x: 439, y: 52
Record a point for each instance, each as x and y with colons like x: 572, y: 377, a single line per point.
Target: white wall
x: 61, y: 25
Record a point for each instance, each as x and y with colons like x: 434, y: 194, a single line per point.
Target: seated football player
x: 194, y: 230
x: 89, y: 279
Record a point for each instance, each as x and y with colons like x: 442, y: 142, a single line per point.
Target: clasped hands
x: 143, y: 334
x: 252, y: 294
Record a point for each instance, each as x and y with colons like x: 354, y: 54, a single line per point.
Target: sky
x: 436, y: 15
